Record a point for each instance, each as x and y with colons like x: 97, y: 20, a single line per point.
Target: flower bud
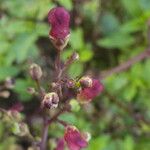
x: 50, y: 100
x: 59, y: 20
x: 35, y: 72
x: 86, y: 81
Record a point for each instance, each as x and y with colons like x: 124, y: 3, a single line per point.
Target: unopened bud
x: 35, y: 72
x: 86, y: 81
x: 50, y: 100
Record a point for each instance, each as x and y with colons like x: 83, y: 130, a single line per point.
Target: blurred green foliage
x: 104, y: 33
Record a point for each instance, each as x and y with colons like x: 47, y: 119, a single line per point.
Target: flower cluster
x: 63, y: 89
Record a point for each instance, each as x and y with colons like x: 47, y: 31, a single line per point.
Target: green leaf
x: 145, y: 4
x: 128, y: 143
x: 117, y: 41
x: 116, y: 82
x: 70, y: 118
x: 146, y: 72
x: 109, y: 24
x: 132, y: 7
x: 75, y: 69
x: 20, y: 48
x: 99, y: 143
x: 85, y: 55
x: 75, y: 107
x: 21, y: 87
x: 129, y: 92
x: 8, y: 71
x: 76, y: 39
x: 66, y: 3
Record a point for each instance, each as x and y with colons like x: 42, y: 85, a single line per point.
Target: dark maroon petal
x: 59, y: 33
x: 59, y: 17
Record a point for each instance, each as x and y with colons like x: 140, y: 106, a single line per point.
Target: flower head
x: 59, y: 19
x: 74, y: 139
x: 88, y: 93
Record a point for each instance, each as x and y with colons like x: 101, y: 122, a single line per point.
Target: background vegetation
x: 106, y: 33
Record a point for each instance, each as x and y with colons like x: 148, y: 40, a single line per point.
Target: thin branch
x: 62, y: 122
x: 126, y: 65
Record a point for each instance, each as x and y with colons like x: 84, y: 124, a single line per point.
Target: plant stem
x: 39, y: 88
x: 44, y: 135
x: 58, y: 71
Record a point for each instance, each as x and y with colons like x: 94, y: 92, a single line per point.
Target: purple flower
x: 60, y: 144
x: 88, y: 93
x: 74, y: 139
x: 59, y: 19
